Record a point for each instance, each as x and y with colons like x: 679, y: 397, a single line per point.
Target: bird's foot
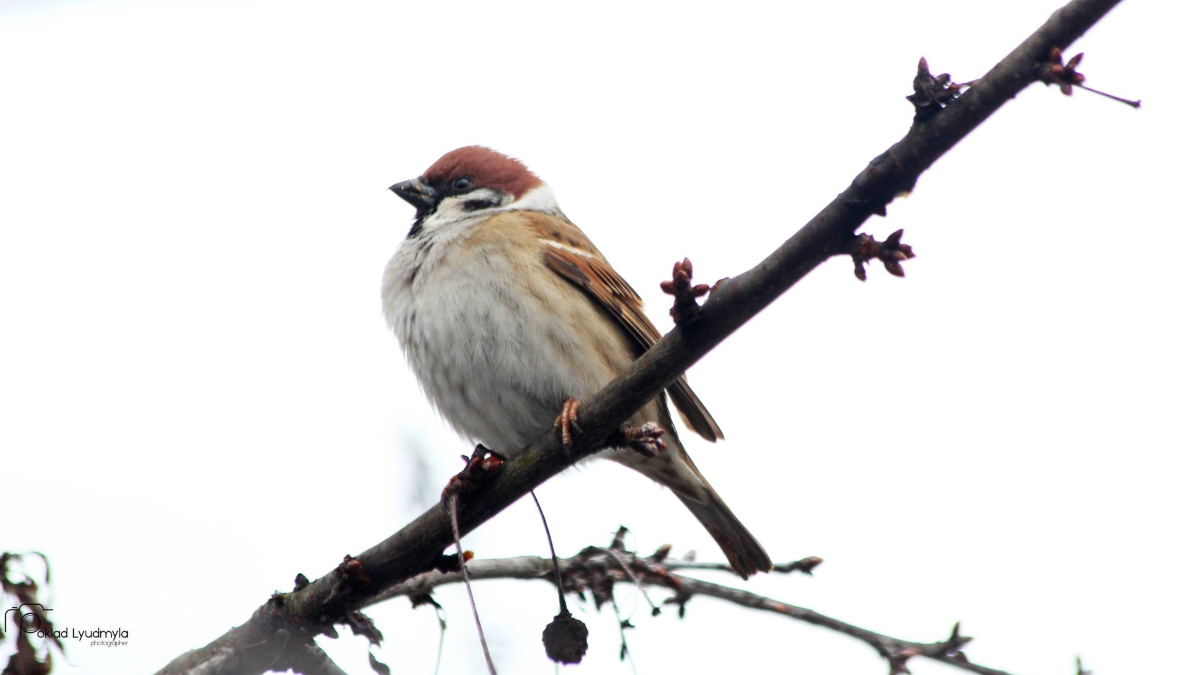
x: 645, y: 440
x: 568, y: 419
x: 481, y: 465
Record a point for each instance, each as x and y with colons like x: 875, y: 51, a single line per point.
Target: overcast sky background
x: 200, y: 397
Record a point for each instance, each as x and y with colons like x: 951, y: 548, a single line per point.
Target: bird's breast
x: 496, y: 339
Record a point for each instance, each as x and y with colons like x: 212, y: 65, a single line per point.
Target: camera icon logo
x: 28, y: 617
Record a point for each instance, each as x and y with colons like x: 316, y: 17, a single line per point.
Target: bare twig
x: 622, y: 626
x: 418, y: 546
x: 452, y: 508
x: 585, y: 570
x: 637, y: 581
x: 562, y: 598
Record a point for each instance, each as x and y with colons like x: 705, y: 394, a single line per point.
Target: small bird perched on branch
x: 508, y: 314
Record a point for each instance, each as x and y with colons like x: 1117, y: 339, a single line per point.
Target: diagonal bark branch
x: 418, y: 546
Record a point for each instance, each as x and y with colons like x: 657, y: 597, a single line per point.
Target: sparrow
x: 508, y: 314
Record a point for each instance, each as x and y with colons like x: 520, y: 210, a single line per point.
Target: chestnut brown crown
x: 485, y: 167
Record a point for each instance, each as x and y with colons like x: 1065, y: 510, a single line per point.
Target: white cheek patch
x: 452, y: 210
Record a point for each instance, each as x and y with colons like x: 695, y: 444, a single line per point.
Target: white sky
x: 200, y: 398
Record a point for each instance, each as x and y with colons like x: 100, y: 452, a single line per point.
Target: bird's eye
x: 462, y: 183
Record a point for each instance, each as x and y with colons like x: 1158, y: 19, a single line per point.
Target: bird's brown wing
x: 570, y: 254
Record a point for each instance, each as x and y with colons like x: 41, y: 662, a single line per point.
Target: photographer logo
x: 28, y: 617
x: 31, y: 618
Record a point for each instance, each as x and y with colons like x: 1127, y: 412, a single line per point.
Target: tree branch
x: 595, y: 569
x: 418, y: 546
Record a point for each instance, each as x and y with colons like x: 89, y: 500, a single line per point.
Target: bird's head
x: 470, y: 182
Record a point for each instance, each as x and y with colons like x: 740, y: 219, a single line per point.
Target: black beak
x: 417, y: 193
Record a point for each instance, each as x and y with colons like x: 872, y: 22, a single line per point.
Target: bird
x: 508, y: 315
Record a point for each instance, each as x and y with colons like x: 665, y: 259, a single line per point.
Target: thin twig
x: 462, y: 563
x: 622, y: 625
x: 637, y: 580
x: 441, y: 617
x: 562, y: 598
x: 1127, y: 101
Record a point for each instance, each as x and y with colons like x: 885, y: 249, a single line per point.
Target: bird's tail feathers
x: 745, y: 554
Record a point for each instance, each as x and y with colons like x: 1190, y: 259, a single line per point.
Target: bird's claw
x: 568, y: 418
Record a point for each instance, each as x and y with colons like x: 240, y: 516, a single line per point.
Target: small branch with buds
x: 1065, y: 77
x: 596, y: 570
x: 481, y: 464
x: 864, y: 248
x: 686, y: 309
x: 930, y: 93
